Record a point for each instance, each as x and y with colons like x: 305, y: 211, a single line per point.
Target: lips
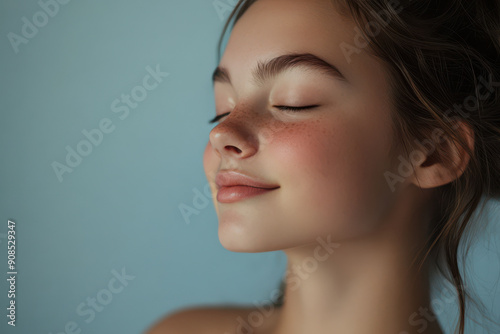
x: 233, y: 178
x: 234, y: 186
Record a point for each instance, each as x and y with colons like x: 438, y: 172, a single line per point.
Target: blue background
x: 119, y: 208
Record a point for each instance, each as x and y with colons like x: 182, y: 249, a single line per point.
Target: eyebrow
x: 271, y: 68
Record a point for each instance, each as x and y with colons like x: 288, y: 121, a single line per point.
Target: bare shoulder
x: 216, y: 320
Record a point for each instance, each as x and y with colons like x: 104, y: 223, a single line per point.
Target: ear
x: 433, y: 170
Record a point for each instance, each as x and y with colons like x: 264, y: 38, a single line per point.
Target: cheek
x: 331, y: 172
x: 315, y: 159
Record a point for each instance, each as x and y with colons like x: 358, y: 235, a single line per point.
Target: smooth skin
x: 330, y: 163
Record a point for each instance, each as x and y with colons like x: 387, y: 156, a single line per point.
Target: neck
x: 367, y: 285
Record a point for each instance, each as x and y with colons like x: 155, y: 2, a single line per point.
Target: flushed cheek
x: 328, y: 175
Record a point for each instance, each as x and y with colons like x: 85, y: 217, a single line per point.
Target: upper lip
x: 235, y: 178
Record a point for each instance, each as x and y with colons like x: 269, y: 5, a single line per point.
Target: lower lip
x: 236, y: 193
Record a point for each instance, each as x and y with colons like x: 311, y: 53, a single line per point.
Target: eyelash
x: 284, y: 108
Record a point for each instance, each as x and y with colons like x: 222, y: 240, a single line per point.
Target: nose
x: 234, y: 137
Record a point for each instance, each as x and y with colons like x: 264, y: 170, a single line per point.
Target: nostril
x: 230, y: 147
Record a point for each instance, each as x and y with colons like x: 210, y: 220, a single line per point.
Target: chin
x: 239, y: 240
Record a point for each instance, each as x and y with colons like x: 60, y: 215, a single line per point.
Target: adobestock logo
x: 470, y: 104
x: 439, y: 304
x: 303, y: 271
x: 103, y: 297
x: 30, y: 29
x: 373, y: 28
x: 95, y: 137
x: 199, y: 202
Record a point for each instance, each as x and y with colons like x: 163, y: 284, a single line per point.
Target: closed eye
x: 289, y: 108
x: 285, y: 108
x: 216, y: 118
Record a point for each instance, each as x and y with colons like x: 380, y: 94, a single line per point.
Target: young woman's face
x: 328, y: 161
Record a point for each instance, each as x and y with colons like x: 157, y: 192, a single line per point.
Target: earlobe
x: 447, y: 162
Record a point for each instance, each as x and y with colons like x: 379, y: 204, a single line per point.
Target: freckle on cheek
x: 305, y: 143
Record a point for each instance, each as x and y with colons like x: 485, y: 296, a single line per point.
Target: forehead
x: 270, y: 28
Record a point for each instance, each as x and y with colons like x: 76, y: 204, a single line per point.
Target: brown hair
x: 440, y: 55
